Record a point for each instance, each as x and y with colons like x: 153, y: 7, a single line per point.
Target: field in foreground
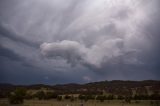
x: 4, y: 102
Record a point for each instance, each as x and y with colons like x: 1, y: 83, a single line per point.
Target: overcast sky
x: 78, y: 41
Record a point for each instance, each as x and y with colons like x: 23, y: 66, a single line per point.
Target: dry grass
x: 4, y: 102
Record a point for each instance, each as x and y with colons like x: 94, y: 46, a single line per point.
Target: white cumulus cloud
x: 75, y: 52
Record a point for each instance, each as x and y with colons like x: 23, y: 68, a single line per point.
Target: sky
x: 79, y: 41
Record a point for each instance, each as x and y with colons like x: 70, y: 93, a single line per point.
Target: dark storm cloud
x: 10, y: 55
x: 11, y: 35
x: 59, y: 41
x: 4, y: 52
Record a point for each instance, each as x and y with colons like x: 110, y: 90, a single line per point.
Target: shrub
x: 40, y: 95
x: 110, y: 97
x: 29, y: 96
x: 81, y: 97
x: 50, y: 95
x: 101, y: 98
x: 72, y: 98
x: 120, y: 97
x: 59, y: 98
x: 155, y: 96
x: 67, y: 97
x: 17, y: 96
x: 128, y: 100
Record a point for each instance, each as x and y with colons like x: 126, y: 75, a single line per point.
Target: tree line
x: 18, y: 96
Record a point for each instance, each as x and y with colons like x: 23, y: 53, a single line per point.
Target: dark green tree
x: 40, y: 95
x: 81, y: 97
x: 128, y: 99
x: 67, y: 97
x: 59, y: 98
x: 72, y: 98
x: 120, y: 97
x: 17, y: 96
x: 101, y: 98
x: 110, y: 97
x: 50, y: 95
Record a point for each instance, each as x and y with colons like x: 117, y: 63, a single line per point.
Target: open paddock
x: 4, y: 102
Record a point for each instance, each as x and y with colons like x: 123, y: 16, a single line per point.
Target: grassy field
x: 4, y: 102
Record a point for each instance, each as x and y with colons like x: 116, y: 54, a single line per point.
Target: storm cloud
x: 75, y: 52
x: 63, y: 41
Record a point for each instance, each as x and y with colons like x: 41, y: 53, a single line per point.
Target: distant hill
x: 115, y: 87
